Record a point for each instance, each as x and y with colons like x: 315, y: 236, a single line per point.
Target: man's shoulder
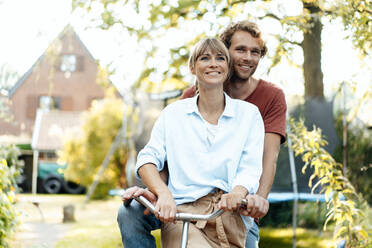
x: 268, y: 86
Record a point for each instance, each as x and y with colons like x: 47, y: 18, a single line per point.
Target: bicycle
x: 185, y: 217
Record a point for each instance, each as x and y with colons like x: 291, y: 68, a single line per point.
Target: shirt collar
x: 229, y: 108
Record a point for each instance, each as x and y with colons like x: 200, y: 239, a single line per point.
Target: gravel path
x: 41, y: 221
x: 40, y: 234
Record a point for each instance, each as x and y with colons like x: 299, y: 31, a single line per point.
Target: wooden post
x: 68, y: 213
x: 35, y: 171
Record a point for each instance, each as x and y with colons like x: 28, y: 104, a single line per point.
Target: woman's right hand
x: 165, y: 208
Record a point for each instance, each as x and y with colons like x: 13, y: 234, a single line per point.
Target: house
x: 48, y: 100
x: 63, y: 78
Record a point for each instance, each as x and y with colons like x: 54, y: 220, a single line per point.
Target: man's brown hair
x: 246, y: 26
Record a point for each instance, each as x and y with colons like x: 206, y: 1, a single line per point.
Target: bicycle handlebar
x: 185, y: 216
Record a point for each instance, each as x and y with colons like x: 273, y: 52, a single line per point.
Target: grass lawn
x: 96, y: 227
x: 282, y: 238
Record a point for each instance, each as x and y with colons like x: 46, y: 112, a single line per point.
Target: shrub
x: 346, y: 208
x: 312, y: 214
x: 85, y: 152
x: 359, y: 157
x: 279, y: 215
x: 8, y: 220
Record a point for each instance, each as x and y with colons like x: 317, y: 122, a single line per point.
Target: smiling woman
x: 192, y: 136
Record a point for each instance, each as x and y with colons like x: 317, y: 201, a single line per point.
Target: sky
x: 28, y: 26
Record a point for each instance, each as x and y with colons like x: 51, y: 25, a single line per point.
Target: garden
x: 142, y: 48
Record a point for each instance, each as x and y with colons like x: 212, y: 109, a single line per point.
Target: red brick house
x: 63, y: 78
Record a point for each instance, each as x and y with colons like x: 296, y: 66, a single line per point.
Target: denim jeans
x: 135, y: 228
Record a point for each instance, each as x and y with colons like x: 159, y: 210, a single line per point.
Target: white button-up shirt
x: 196, y: 168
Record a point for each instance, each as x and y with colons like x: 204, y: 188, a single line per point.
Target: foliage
x: 359, y: 157
x: 357, y: 17
x: 279, y: 215
x: 9, y: 170
x: 11, y: 153
x: 158, y: 20
x: 85, y: 152
x: 351, y: 214
x: 7, y: 77
x: 312, y: 214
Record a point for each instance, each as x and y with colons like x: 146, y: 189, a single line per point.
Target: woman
x: 213, y: 145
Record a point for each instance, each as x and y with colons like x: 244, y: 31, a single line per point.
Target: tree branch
x: 271, y: 15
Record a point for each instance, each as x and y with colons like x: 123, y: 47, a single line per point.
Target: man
x: 246, y: 47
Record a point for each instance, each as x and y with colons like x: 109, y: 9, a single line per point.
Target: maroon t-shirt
x: 270, y: 101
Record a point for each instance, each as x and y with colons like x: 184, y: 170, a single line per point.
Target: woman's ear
x: 192, y: 69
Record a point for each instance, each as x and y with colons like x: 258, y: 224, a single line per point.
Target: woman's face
x: 210, y: 69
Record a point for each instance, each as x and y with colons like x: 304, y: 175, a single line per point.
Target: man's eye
x: 256, y: 52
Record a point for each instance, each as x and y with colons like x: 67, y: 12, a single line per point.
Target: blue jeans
x: 135, y: 228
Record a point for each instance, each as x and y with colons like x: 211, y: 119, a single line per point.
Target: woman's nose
x: 213, y: 62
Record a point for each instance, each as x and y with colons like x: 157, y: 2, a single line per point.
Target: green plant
x: 279, y: 215
x: 351, y: 214
x: 359, y: 157
x: 11, y: 153
x: 85, y: 152
x: 312, y: 214
x: 8, y: 219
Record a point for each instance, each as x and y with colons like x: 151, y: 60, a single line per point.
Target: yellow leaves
x: 340, y: 195
x: 327, y: 193
x: 306, y: 157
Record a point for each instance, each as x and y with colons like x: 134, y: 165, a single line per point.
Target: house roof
x: 52, y: 126
x: 67, y: 29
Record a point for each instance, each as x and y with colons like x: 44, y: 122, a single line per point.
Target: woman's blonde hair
x: 215, y: 46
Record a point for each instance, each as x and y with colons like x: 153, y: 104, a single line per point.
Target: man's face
x: 245, y: 51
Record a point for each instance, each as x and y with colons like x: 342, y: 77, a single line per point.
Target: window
x: 48, y: 103
x: 68, y: 63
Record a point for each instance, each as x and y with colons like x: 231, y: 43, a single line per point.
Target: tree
x: 85, y: 152
x: 7, y: 79
x: 164, y: 16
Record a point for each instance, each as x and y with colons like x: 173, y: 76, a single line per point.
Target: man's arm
x: 270, y: 155
x: 257, y: 205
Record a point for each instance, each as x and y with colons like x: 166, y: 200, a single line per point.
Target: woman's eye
x: 203, y: 58
x: 222, y: 58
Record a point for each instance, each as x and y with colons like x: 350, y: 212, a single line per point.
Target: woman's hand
x: 165, y: 208
x: 230, y: 201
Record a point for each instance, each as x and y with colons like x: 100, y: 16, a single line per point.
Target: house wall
x: 75, y: 92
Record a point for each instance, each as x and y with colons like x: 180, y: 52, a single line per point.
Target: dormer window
x: 68, y: 64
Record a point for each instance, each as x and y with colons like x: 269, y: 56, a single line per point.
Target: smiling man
x: 246, y: 47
